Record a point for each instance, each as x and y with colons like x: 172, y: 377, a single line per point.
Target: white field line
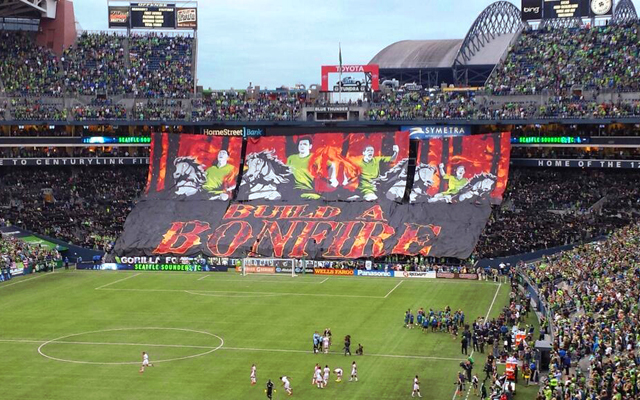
x: 394, y: 288
x: 264, y: 281
x: 206, y: 276
x: 485, y: 318
x: 493, y: 301
x: 24, y: 280
x: 240, y: 292
x: 219, y: 348
x: 111, y: 344
x: 323, y: 281
x: 119, y: 280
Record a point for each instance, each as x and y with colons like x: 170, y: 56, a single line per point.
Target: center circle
x: 60, y: 340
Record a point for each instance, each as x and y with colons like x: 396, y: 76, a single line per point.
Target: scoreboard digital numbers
x: 153, y: 16
x: 552, y: 9
x: 564, y: 9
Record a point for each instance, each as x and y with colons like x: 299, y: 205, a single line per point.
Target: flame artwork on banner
x: 318, y: 196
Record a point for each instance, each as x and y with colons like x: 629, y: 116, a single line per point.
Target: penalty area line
x: 24, y: 280
x: 119, y: 280
x: 394, y: 288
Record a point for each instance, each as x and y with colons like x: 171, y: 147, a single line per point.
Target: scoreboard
x: 153, y: 16
x: 552, y: 9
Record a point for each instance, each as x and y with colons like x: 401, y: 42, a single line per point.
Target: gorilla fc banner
x: 321, y: 196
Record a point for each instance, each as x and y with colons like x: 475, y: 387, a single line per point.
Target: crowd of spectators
x: 82, y: 206
x: 159, y: 110
x: 554, y: 60
x: 146, y: 65
x: 593, y: 293
x: 27, y: 69
x: 17, y: 254
x: 546, y: 208
x: 100, y: 110
x: 241, y: 106
x: 426, y: 105
x: 28, y: 109
x: 95, y: 64
x: 161, y: 66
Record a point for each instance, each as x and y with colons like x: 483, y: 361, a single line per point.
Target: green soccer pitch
x: 80, y: 334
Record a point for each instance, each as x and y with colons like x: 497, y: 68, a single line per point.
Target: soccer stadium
x: 450, y: 217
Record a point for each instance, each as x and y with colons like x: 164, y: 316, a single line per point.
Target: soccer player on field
x: 354, y: 372
x: 325, y: 344
x: 338, y: 372
x: 253, y: 374
x: 315, y: 373
x: 325, y: 377
x: 327, y: 333
x: 145, y: 362
x: 474, y: 382
x: 416, y: 387
x: 286, y: 384
x: 269, y: 390
x: 318, y: 378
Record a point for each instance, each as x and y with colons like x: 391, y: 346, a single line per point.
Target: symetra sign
x: 428, y: 132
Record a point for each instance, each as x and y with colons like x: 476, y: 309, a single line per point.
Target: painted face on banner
x: 304, y: 148
x: 426, y: 175
x: 460, y: 172
x: 368, y: 154
x: 223, y: 157
x: 188, y: 176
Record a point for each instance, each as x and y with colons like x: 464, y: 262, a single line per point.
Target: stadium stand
x: 27, y: 69
x: 88, y: 206
x: 592, y: 292
x: 95, y: 64
x: 548, y: 208
x: 560, y: 60
x: 161, y: 66
x: 34, y: 256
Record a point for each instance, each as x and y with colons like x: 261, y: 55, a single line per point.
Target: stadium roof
x: 28, y: 8
x: 485, y: 43
x: 418, y: 54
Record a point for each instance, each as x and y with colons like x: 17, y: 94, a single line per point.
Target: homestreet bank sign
x: 244, y: 132
x: 73, y: 161
x: 433, y: 131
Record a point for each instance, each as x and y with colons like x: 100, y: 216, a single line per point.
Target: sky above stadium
x: 284, y: 42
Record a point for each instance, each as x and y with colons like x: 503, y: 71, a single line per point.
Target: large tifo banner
x: 321, y: 196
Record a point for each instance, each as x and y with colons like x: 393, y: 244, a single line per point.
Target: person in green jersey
x: 370, y: 170
x: 218, y: 177
x: 455, y: 183
x: 299, y: 165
